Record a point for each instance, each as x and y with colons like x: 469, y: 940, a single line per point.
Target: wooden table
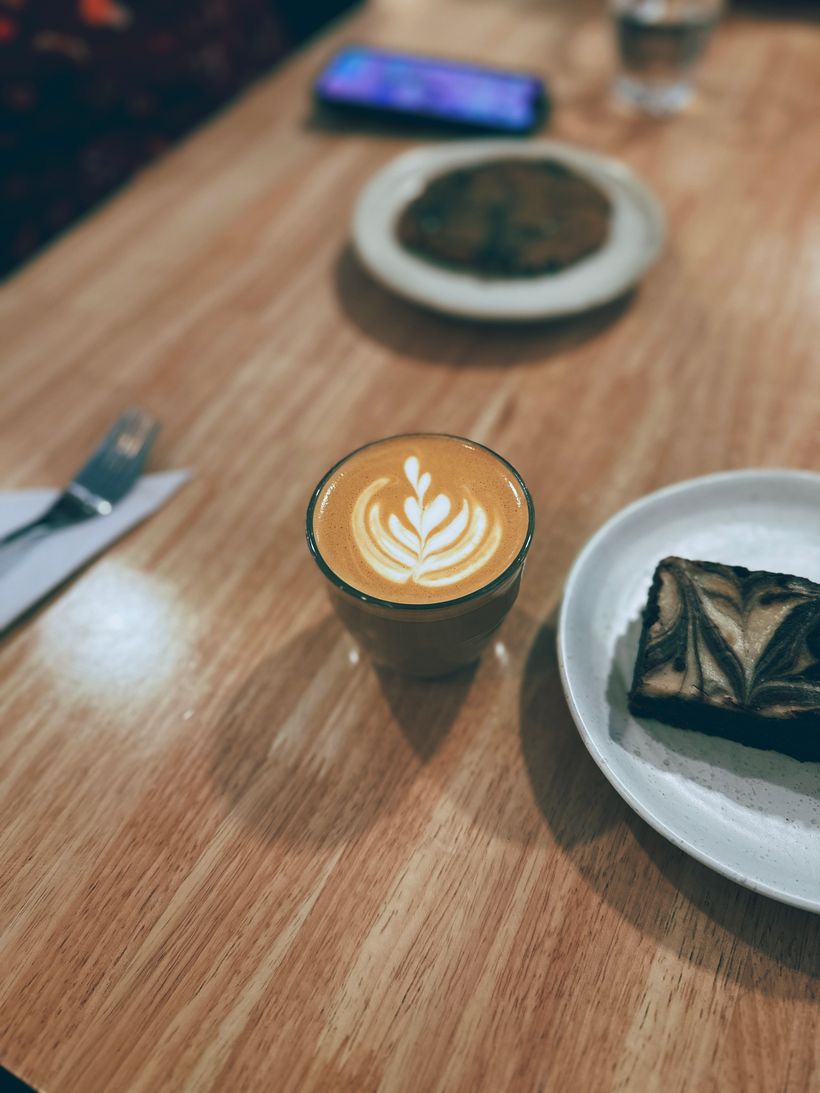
x: 233, y: 856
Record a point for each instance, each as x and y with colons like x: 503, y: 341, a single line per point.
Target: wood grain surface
x: 233, y: 855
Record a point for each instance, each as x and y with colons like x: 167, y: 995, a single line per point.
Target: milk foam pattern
x: 433, y: 543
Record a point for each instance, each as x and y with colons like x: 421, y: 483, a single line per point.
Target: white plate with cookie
x: 752, y: 815
x: 635, y: 238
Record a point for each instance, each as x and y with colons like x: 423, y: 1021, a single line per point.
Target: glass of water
x: 659, y: 44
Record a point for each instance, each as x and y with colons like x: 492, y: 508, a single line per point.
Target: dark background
x: 90, y: 90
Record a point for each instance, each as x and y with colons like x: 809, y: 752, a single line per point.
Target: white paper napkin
x: 28, y: 571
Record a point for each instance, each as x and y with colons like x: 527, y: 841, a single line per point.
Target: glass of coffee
x: 423, y: 540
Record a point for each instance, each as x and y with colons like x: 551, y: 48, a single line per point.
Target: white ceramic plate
x: 752, y: 815
x: 635, y: 240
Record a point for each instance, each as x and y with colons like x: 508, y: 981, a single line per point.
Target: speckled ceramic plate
x: 635, y: 240
x: 752, y: 815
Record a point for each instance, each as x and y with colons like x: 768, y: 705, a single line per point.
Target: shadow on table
x: 437, y: 339
x: 318, y: 765
x: 425, y: 709
x: 394, y: 127
x: 322, y: 764
x: 644, y: 877
x: 777, y: 10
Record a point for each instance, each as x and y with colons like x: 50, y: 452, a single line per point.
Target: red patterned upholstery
x: 92, y: 89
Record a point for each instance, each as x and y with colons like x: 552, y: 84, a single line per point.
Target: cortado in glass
x: 423, y: 540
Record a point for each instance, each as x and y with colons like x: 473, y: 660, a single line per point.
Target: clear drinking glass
x: 432, y: 638
x: 659, y: 44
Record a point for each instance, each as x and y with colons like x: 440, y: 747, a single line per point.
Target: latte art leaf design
x: 435, y: 542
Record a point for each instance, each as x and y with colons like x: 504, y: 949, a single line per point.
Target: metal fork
x: 104, y: 480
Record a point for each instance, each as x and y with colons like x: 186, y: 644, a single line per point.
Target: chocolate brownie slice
x: 734, y: 653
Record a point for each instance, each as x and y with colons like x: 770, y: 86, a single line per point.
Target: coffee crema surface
x: 420, y: 519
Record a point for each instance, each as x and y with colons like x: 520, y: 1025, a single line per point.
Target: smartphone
x: 431, y: 89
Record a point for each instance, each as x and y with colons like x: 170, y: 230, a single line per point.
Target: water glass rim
x: 688, y: 9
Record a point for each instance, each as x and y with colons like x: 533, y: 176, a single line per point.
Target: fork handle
x: 64, y: 511
x: 34, y: 529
